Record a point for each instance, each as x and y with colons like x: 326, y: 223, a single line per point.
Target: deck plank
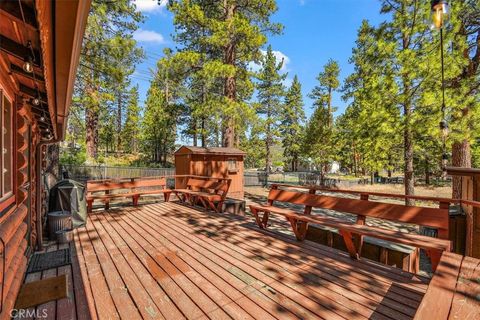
x: 466, y: 300
x: 245, y: 288
x: 213, y: 275
x: 31, y: 277
x: 103, y: 300
x: 252, y: 262
x: 239, y: 269
x: 118, y: 290
x: 171, y: 261
x: 305, y: 282
x: 291, y: 253
x: 172, y: 289
x: 161, y: 298
x: 140, y: 297
x: 84, y: 303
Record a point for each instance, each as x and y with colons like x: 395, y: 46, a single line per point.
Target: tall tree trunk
x: 409, y: 176
x: 134, y: 141
x: 204, y: 134
x: 119, y: 121
x: 268, y: 145
x: 355, y: 162
x: 461, y: 157
x: 91, y: 120
x: 427, y: 171
x: 230, y: 82
x: 390, y: 165
x: 194, y: 132
x: 330, y: 111
x: 408, y: 158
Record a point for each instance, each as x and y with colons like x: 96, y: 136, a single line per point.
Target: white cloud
x: 149, y: 5
x: 148, y: 36
x: 278, y: 56
x: 302, y: 2
x: 288, y: 82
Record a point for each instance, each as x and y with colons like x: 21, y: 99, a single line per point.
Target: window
x: 6, y: 179
x: 232, y: 165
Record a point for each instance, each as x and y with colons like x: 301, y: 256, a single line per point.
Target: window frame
x: 229, y: 168
x: 7, y: 199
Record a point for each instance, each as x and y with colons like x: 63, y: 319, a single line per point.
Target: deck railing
x: 84, y: 173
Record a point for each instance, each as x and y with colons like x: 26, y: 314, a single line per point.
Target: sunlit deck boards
x: 169, y: 261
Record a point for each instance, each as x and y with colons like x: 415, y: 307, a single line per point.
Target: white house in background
x: 334, y: 168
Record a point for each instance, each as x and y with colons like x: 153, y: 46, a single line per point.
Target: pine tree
x: 164, y: 107
x: 253, y: 142
x: 270, y: 92
x: 328, y: 83
x: 371, y: 123
x: 462, y: 81
x: 291, y: 128
x: 131, y: 128
x: 230, y: 33
x: 108, y: 56
x: 318, y: 143
x: 404, y: 36
x: 319, y: 136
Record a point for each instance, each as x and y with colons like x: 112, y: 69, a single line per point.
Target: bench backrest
x: 106, y: 185
x: 429, y: 217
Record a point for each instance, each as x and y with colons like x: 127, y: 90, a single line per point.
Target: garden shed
x: 211, y: 162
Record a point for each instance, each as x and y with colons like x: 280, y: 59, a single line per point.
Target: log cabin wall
x: 40, y: 43
x: 15, y: 202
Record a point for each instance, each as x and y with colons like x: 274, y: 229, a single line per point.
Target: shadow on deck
x: 166, y: 260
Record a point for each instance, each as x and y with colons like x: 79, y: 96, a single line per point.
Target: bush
x: 73, y: 156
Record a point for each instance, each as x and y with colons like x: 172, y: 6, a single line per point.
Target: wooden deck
x: 74, y: 306
x: 170, y: 261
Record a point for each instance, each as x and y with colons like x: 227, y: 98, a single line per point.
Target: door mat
x: 39, y: 292
x: 49, y: 260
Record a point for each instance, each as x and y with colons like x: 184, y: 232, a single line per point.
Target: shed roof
x: 211, y: 150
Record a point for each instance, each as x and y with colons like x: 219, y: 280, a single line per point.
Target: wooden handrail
x: 158, y: 177
x: 383, y: 195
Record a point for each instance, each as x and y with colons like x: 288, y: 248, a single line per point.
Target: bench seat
x: 414, y: 240
x: 210, y: 192
x: 354, y: 232
x: 132, y: 188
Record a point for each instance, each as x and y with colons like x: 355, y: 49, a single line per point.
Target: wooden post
x: 471, y: 192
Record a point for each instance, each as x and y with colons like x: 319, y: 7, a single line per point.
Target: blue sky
x: 314, y: 31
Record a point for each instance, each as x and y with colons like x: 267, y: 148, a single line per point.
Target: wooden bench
x: 454, y: 291
x: 353, y: 233
x: 133, y: 188
x: 211, y: 192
